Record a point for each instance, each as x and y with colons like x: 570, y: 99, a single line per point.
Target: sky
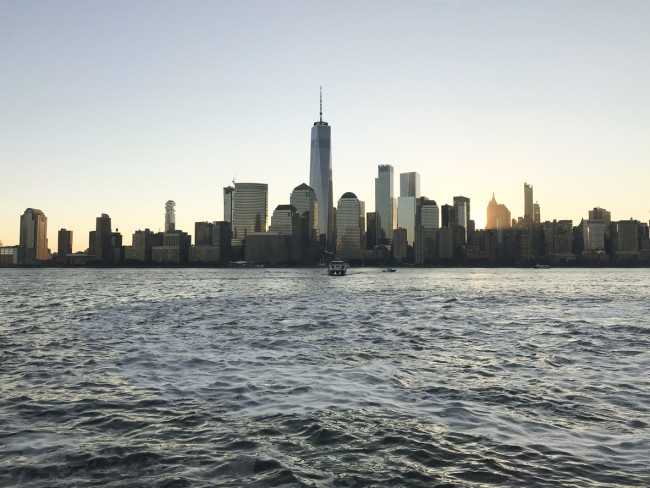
x: 116, y: 107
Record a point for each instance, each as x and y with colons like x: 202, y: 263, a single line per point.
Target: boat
x: 389, y: 270
x: 542, y: 266
x: 337, y: 268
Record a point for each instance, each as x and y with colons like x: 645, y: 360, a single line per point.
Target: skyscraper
x: 409, y: 184
x: 283, y: 220
x: 103, y: 238
x: 384, y: 203
x: 406, y: 211
x: 498, y: 215
x: 409, y: 193
x: 250, y: 210
x: 228, y: 195
x: 65, y: 243
x: 348, y: 227
x: 528, y: 202
x: 33, y: 237
x: 320, y: 173
x: 170, y: 216
x: 600, y: 214
x: 430, y: 225
x: 457, y: 201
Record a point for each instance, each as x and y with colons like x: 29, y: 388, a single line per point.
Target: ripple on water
x: 237, y: 377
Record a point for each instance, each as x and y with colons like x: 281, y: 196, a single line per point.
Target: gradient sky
x: 116, y: 107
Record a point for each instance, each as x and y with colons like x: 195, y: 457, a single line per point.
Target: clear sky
x: 116, y: 107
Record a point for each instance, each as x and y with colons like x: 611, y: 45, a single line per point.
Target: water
x: 220, y: 377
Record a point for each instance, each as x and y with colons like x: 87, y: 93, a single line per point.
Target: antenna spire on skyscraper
x: 321, y: 104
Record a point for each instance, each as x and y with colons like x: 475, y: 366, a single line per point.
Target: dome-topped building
x: 348, y: 227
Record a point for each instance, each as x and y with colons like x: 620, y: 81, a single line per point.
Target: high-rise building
x: 536, y: 213
x: 371, y: 232
x: 283, y: 220
x: 320, y: 174
x: 593, y: 235
x: 625, y: 239
x: 460, y: 209
x: 142, y: 243
x: 228, y: 195
x: 409, y: 185
x: 430, y: 223
x: 348, y: 227
x: 448, y: 215
x: 203, y: 233
x: 250, y: 210
x: 498, y: 215
x: 457, y: 201
x: 33, y: 237
x: 211, y: 243
x: 406, y: 213
x: 102, y: 238
x: 303, y: 198
x: 384, y: 203
x: 65, y: 243
x: 175, y: 248
x: 170, y: 216
x: 600, y: 214
x: 528, y: 202
x: 399, y: 247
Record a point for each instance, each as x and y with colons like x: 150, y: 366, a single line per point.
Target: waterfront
x: 423, y: 377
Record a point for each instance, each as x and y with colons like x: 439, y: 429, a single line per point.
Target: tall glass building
x: 384, y: 203
x: 250, y: 210
x: 348, y: 227
x: 409, y: 184
x: 320, y: 173
x: 430, y: 224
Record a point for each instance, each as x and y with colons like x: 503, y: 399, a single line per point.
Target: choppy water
x: 212, y: 377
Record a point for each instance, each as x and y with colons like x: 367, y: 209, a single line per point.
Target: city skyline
x: 118, y: 109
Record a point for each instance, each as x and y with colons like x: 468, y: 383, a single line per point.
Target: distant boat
x: 542, y: 266
x: 337, y: 268
x: 389, y: 270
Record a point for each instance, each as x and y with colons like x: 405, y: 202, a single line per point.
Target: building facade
x: 228, y: 196
x: 528, y: 202
x: 170, y: 216
x: 600, y: 214
x: 303, y: 198
x: 250, y: 210
x: 348, y: 227
x: 385, y: 204
x: 33, y: 237
x: 65, y: 243
x: 409, y: 184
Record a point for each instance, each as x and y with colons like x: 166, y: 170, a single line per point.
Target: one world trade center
x: 320, y: 175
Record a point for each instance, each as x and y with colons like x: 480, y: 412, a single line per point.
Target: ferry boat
x: 337, y: 268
